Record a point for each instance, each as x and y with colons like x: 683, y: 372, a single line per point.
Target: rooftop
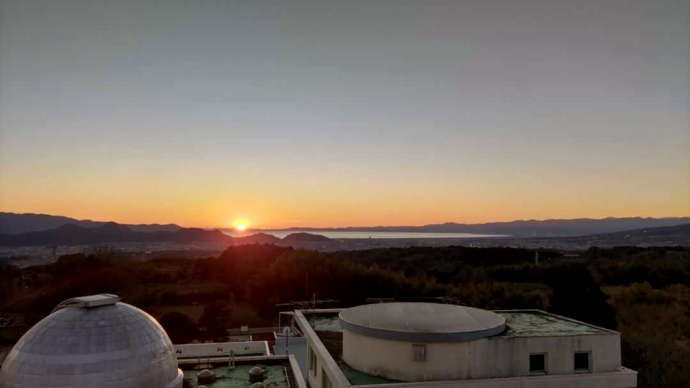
x: 518, y: 323
x: 278, y: 373
x: 422, y: 322
x: 537, y: 323
x: 324, y: 322
x: 356, y: 377
x: 89, y: 301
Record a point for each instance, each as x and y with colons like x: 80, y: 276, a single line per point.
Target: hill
x: 14, y: 223
x: 72, y: 234
x: 258, y: 238
x: 113, y: 233
x: 304, y: 237
x: 529, y: 228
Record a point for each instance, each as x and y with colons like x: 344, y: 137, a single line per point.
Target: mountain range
x: 14, y: 223
x: 113, y: 233
x: 38, y: 229
x: 524, y: 228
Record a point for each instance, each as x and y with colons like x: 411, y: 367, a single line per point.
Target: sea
x: 346, y: 234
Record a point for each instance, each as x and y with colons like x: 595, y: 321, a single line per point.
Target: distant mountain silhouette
x: 528, y: 228
x: 258, y: 238
x: 113, y: 233
x: 14, y: 223
x: 678, y: 232
x: 304, y: 237
x: 110, y: 232
x: 40, y: 229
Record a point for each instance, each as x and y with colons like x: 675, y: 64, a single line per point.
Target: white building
x: 99, y: 342
x: 406, y: 345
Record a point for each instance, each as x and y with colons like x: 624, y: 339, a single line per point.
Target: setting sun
x: 240, y: 225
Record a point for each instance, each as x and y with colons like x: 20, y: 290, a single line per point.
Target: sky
x: 337, y: 113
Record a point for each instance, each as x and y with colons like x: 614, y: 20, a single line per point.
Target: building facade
x: 98, y: 341
x: 417, y: 344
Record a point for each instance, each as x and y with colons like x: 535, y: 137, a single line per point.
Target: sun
x: 240, y: 225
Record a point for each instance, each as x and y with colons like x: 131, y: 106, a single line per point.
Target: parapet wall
x: 492, y: 357
x: 222, y: 349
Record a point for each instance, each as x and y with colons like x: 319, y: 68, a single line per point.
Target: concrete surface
x: 499, y: 361
x: 422, y: 322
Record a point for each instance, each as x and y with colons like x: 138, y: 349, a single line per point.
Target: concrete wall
x: 485, y: 358
x: 324, y: 363
x: 622, y: 378
x: 394, y: 360
x: 605, y: 353
x: 500, y: 356
x: 324, y: 369
x: 222, y: 349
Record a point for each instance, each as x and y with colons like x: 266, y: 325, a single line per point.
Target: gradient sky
x: 329, y: 113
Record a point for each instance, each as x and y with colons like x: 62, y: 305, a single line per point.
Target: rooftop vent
x: 89, y: 301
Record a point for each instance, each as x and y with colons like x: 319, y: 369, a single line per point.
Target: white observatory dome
x: 93, y: 341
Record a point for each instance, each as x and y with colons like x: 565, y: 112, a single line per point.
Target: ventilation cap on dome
x: 89, y: 301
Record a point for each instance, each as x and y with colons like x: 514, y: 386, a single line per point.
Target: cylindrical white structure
x: 93, y: 341
x: 420, y: 341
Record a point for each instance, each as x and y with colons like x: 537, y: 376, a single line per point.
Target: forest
x: 642, y: 292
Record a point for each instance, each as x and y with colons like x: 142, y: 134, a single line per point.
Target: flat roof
x: 356, y: 377
x: 324, y: 322
x: 278, y: 373
x: 537, y: 323
x: 519, y: 323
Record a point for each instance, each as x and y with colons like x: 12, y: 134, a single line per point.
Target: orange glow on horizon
x: 337, y: 203
x: 324, y: 129
x: 240, y: 224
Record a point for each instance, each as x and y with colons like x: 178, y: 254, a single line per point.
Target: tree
x: 215, y: 319
x: 181, y: 329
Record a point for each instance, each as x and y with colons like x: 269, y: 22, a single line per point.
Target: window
x: 325, y: 381
x: 581, y: 361
x: 537, y: 363
x: 418, y: 352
